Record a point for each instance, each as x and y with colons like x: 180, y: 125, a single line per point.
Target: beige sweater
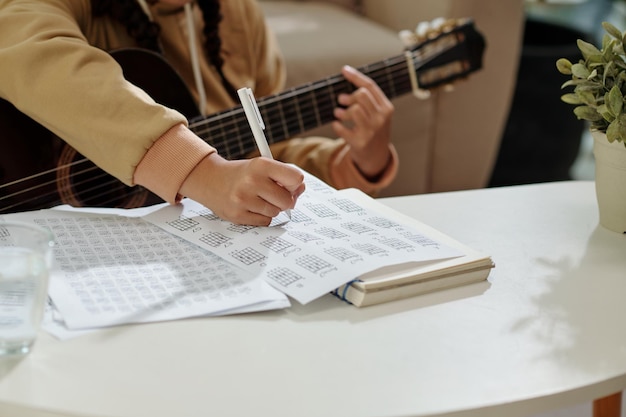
x: 55, y: 69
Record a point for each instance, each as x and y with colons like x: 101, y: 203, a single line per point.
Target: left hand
x: 365, y: 123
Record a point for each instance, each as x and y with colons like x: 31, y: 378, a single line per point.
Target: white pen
x: 253, y: 114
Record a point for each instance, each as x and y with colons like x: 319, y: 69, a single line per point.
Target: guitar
x: 41, y: 171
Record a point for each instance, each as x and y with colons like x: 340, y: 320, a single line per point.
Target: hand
x: 249, y: 191
x: 365, y: 123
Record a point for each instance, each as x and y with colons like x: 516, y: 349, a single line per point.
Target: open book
x: 406, y: 280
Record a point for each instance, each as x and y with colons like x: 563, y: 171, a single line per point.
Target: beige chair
x: 447, y: 142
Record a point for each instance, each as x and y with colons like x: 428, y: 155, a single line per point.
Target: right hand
x: 248, y: 191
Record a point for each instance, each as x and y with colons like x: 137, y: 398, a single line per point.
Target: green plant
x: 599, y: 81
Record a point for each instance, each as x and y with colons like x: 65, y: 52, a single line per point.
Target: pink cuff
x: 345, y: 174
x: 168, y: 162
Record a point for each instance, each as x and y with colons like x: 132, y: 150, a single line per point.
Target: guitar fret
x: 303, y: 108
x: 313, y: 99
x: 270, y: 118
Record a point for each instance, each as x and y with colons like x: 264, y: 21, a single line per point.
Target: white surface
x: 546, y: 333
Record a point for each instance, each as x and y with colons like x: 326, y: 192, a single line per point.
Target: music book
x: 396, y: 282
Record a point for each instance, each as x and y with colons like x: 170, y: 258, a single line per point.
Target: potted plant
x: 599, y: 87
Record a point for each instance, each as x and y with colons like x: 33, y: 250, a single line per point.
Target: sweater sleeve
x: 51, y: 73
x: 329, y: 160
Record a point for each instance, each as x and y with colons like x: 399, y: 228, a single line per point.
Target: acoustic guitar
x: 38, y: 170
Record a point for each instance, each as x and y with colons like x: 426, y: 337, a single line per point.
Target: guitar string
x: 220, y: 134
x: 390, y: 70
x: 228, y: 141
x: 225, y: 138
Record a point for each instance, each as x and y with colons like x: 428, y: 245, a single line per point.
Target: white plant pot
x: 610, y: 178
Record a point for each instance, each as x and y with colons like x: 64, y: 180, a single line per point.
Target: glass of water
x: 25, y: 258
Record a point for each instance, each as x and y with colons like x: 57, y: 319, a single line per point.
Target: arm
x: 52, y: 73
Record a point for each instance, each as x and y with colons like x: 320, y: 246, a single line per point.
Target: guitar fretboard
x: 308, y: 106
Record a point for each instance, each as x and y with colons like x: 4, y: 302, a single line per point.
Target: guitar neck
x: 299, y: 109
x: 293, y: 111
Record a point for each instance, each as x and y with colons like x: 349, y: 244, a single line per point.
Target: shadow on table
x: 577, y: 305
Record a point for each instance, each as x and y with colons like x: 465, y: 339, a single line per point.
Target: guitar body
x: 46, y: 172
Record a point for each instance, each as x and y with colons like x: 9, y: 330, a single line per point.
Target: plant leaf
x: 614, y: 100
x: 612, y: 132
x: 612, y: 30
x: 571, y: 98
x: 587, y: 113
x: 606, y: 113
x: 580, y: 71
x: 564, y: 66
x: 587, y: 49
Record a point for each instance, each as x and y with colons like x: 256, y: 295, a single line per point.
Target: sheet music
x: 330, y: 240
x: 113, y: 269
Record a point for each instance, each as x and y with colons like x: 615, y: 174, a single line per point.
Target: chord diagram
x: 312, y: 263
x: 183, y: 223
x: 420, y: 240
x: 248, y: 256
x: 303, y: 236
x: 276, y: 244
x: 331, y: 233
x: 239, y: 228
x: 320, y: 210
x: 396, y: 243
x: 382, y: 222
x: 283, y: 276
x: 369, y: 249
x: 346, y: 205
x: 214, y: 239
x: 209, y: 215
x: 342, y: 254
x: 317, y: 185
x: 357, y: 228
x: 299, y: 217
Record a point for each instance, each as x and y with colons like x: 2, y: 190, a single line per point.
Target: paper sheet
x: 330, y: 240
x: 112, y: 269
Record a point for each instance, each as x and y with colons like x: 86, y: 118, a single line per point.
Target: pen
x: 253, y: 114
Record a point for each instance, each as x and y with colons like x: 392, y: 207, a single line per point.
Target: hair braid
x: 130, y: 14
x: 146, y: 33
x: 212, y: 42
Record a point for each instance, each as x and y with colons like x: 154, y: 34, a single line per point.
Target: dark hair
x: 146, y: 33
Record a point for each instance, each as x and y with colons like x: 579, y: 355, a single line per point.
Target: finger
x: 357, y: 78
x: 360, y: 100
x: 287, y: 176
x: 273, y: 198
x: 361, y: 80
x: 254, y: 219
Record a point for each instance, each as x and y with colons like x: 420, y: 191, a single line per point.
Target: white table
x: 547, y: 331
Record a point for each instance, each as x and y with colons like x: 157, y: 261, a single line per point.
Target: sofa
x: 446, y: 142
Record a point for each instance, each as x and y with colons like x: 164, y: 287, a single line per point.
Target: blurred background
x: 543, y: 140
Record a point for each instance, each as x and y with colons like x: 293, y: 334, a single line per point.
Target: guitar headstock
x: 441, y: 51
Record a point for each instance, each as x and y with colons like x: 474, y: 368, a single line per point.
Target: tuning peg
x: 422, y: 29
x: 408, y: 38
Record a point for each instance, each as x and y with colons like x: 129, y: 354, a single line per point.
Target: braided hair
x: 145, y: 32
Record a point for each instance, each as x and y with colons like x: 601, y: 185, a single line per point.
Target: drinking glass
x: 25, y: 258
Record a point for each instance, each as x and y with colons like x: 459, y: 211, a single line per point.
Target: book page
x: 330, y: 240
